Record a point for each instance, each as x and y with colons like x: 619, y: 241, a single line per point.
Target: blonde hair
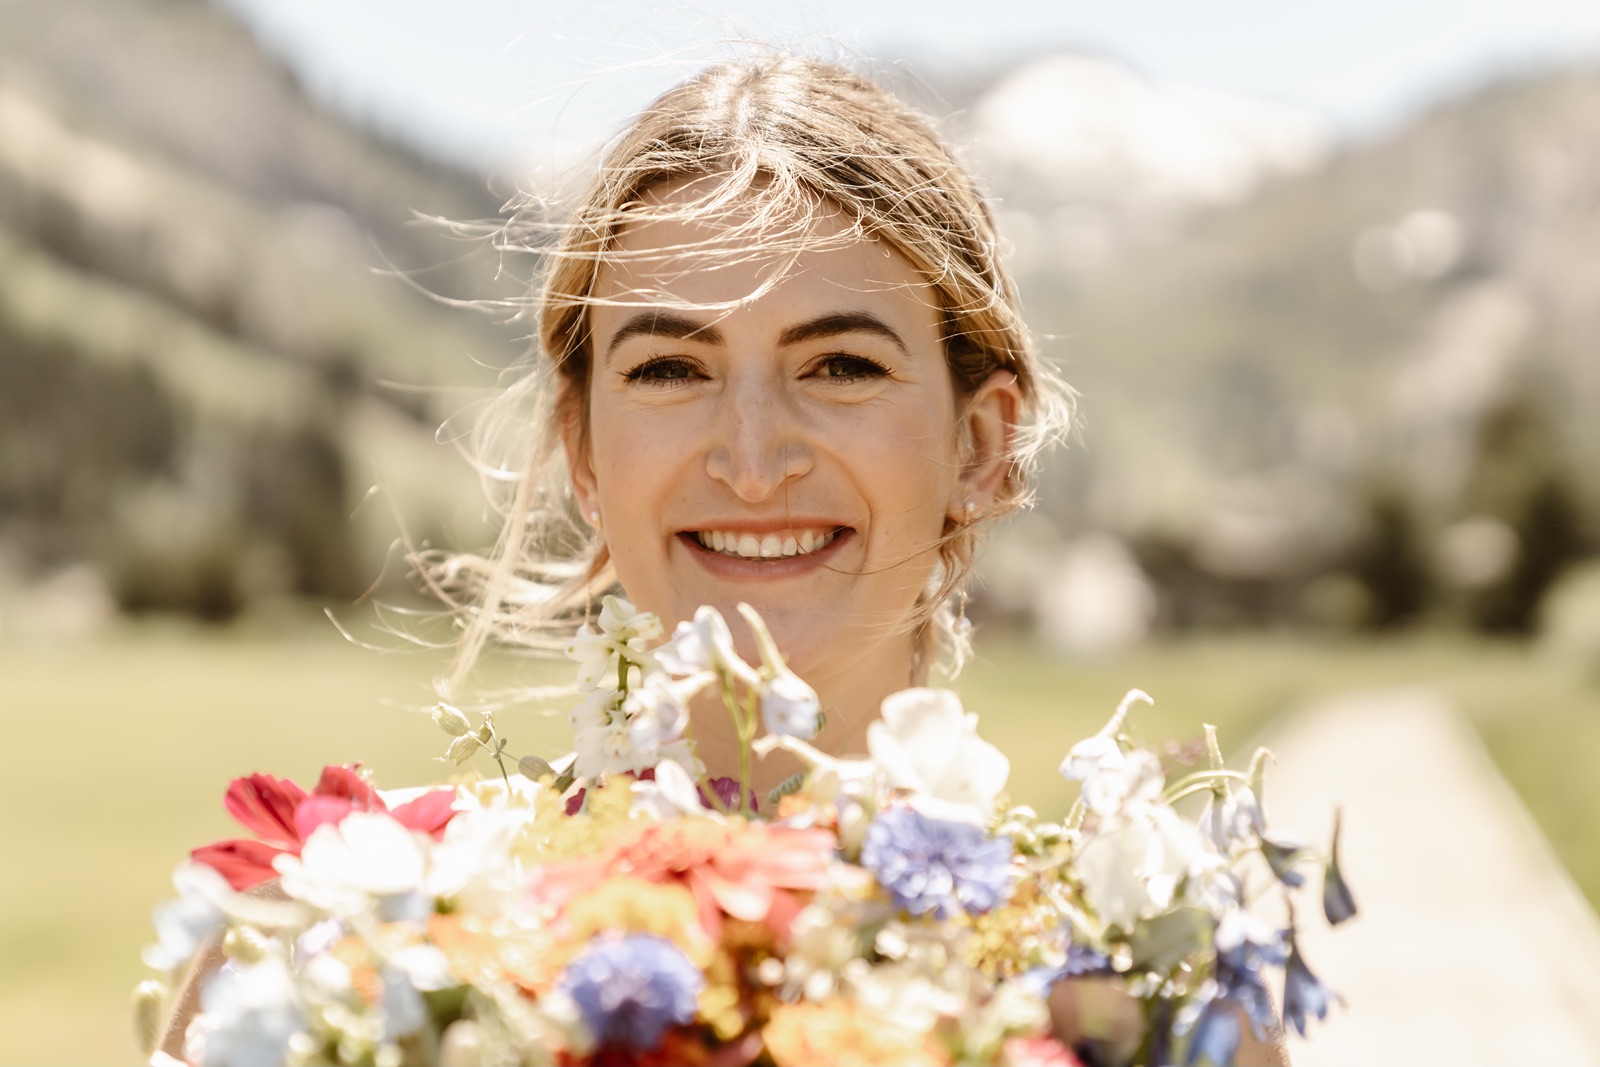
x: 769, y: 143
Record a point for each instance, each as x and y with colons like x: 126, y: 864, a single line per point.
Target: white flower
x: 248, y: 1016
x: 626, y: 624
x: 672, y: 794
x: 624, y: 631
x: 593, y: 654
x: 658, y: 711
x: 705, y: 644
x: 927, y: 745
x: 366, y: 858
x: 1091, y: 756
x: 790, y: 707
x: 183, y: 925
x: 592, y: 722
x: 1234, y: 817
x: 472, y: 865
x: 1131, y: 865
x: 1136, y: 780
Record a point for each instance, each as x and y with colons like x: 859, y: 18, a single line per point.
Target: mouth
x: 780, y: 544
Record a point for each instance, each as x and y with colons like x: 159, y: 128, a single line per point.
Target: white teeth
x: 770, y: 546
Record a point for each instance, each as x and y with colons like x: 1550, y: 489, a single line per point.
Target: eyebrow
x: 839, y: 322
x: 683, y: 328
x: 664, y: 324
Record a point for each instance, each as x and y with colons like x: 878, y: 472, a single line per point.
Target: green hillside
x: 206, y: 358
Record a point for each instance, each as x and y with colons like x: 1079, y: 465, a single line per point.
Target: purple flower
x: 727, y: 790
x: 1245, y: 949
x: 937, y: 867
x: 1302, y: 992
x: 1215, y: 1036
x: 1337, y: 903
x: 631, y: 990
x: 1282, y: 854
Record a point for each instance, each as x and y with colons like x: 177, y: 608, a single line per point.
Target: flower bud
x: 1338, y: 904
x: 149, y: 997
x: 461, y: 1045
x: 244, y: 944
x: 534, y: 768
x: 451, y: 721
x: 460, y: 750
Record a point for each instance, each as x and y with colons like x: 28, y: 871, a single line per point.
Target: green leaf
x: 786, y: 787
x: 1161, y: 943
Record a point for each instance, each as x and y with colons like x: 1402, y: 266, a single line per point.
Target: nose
x: 759, y: 444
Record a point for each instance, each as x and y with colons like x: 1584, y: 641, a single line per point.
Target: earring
x: 970, y: 509
x: 594, y: 519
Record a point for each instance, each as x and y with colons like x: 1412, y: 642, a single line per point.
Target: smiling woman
x: 779, y: 362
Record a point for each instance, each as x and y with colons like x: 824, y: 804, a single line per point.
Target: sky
x: 492, y: 82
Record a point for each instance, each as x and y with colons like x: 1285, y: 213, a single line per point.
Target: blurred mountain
x: 205, y: 356
x: 1087, y: 155
x: 1362, y: 390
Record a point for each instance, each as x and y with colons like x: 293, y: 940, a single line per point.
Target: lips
x: 766, y: 552
x: 746, y: 544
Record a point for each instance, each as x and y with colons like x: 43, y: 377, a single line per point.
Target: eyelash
x: 873, y: 369
x: 647, y: 373
x: 643, y: 372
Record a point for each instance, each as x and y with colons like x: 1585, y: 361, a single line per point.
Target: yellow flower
x: 1010, y: 939
x: 837, y: 1031
x: 553, y: 835
x: 635, y: 906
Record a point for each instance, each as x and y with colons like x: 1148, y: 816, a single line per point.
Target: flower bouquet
x: 615, y: 906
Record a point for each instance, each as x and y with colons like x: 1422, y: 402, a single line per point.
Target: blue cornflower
x: 1302, y: 992
x: 937, y: 867
x: 631, y: 990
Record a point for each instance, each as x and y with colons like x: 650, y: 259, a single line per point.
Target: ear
x: 989, y: 426
x: 574, y: 442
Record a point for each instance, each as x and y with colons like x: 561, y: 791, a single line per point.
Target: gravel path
x: 1473, y: 946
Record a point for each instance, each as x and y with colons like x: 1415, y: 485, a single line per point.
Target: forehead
x: 686, y: 249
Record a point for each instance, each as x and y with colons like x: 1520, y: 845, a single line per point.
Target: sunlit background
x: 1326, y: 276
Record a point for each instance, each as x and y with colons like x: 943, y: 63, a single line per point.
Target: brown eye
x: 849, y: 368
x: 666, y: 370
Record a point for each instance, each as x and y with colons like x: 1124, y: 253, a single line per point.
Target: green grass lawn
x: 120, y: 750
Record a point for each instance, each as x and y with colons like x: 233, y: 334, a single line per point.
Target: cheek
x: 907, y: 469
x: 625, y: 453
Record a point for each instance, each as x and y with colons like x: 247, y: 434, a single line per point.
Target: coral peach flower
x: 754, y: 873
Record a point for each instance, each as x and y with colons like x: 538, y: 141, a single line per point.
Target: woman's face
x: 793, y: 448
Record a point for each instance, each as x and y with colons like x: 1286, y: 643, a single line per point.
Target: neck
x: 850, y: 696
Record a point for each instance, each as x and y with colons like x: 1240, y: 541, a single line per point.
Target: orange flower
x: 838, y: 1031
x: 754, y: 872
